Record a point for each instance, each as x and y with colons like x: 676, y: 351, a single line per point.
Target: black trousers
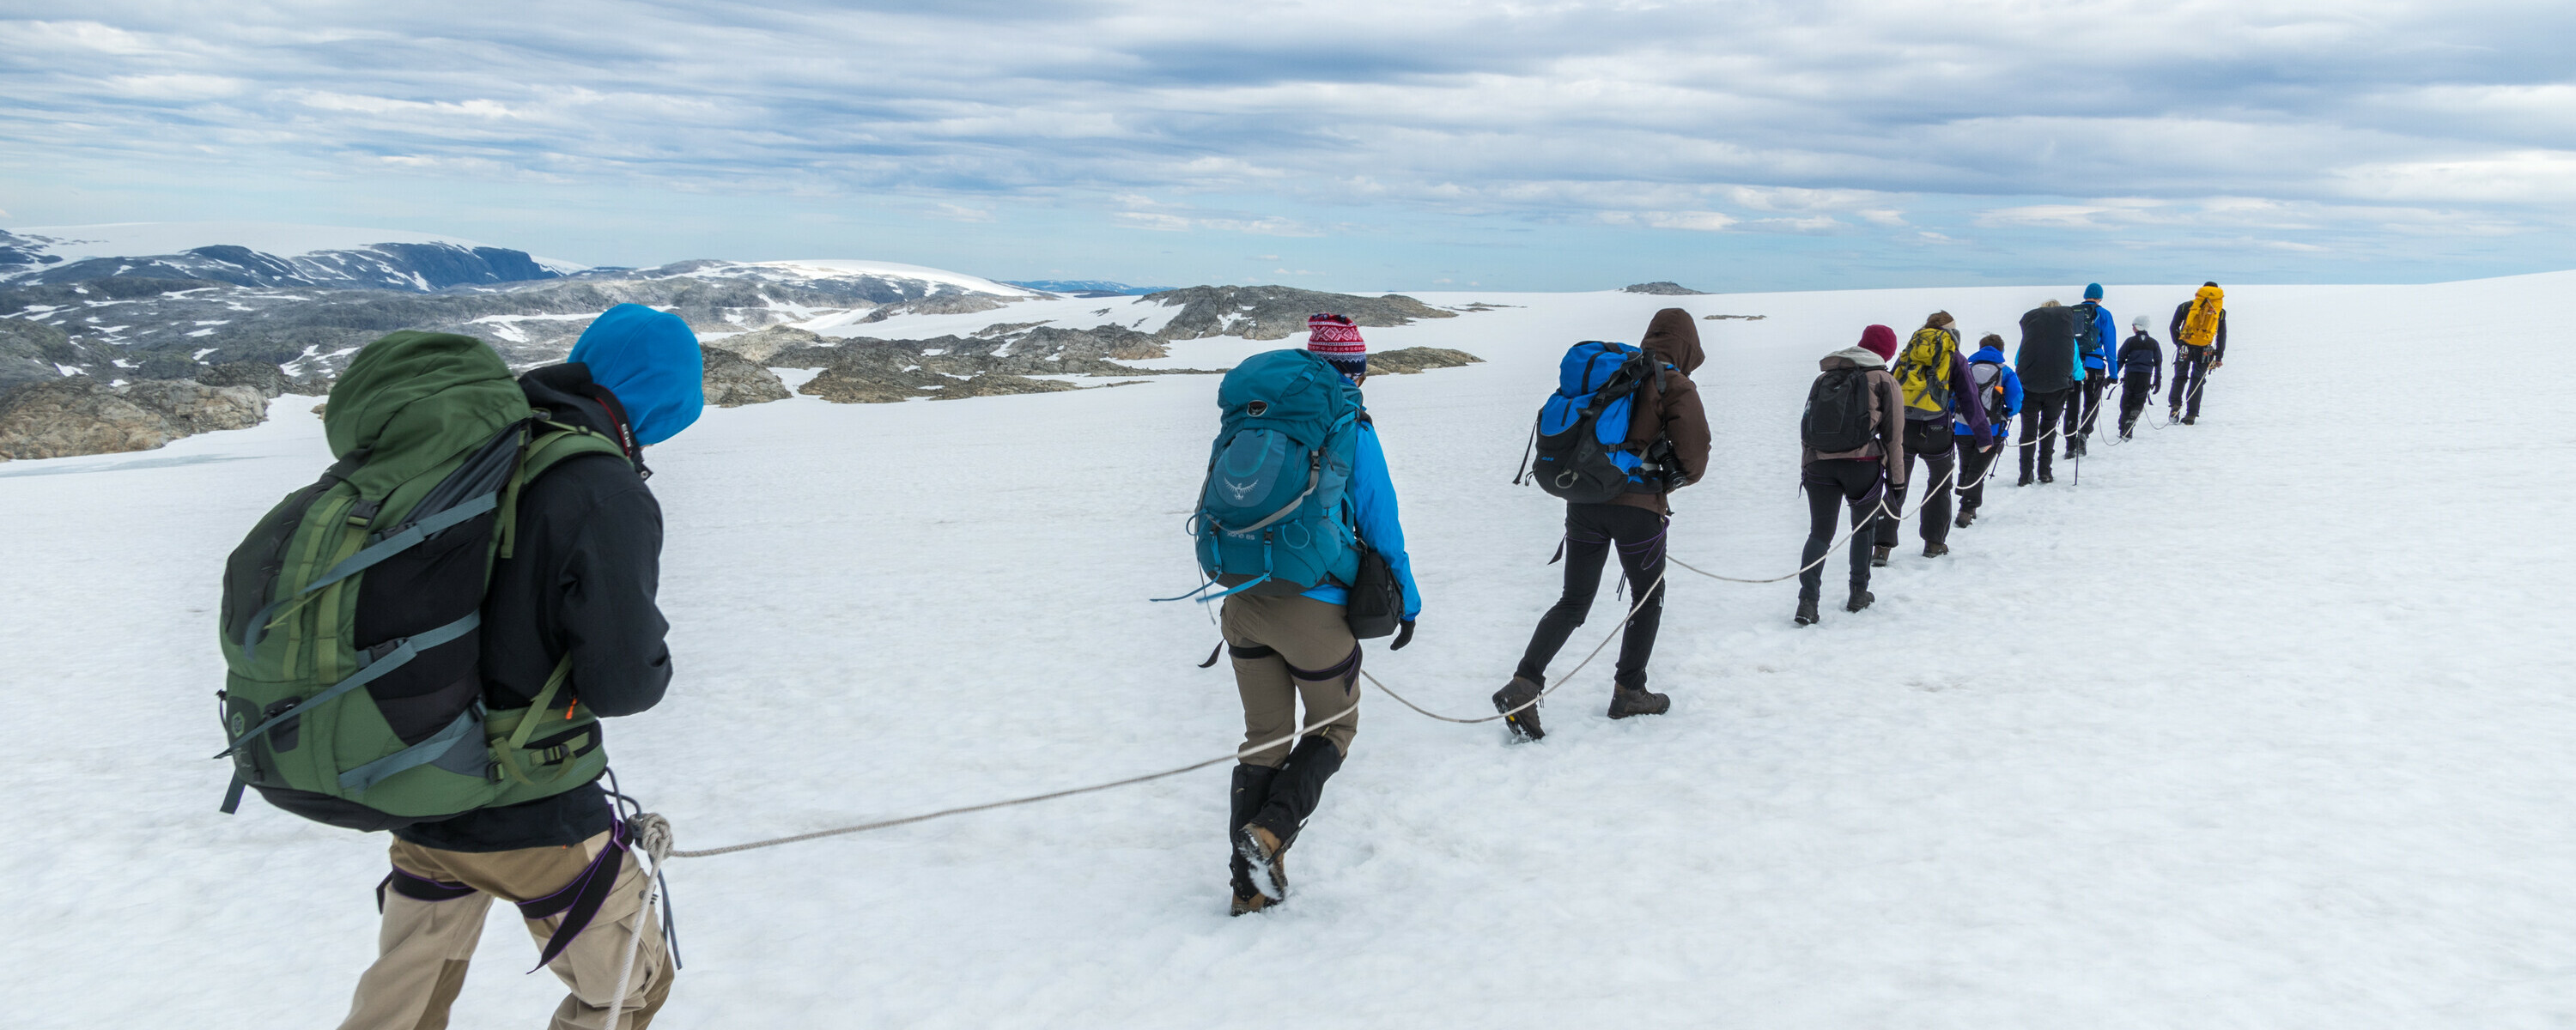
x: 2135, y: 390
x: 1832, y: 484
x: 1937, y: 446
x: 1973, y: 464
x: 2040, y: 412
x: 1590, y: 531
x: 2190, y: 365
x: 2084, y: 404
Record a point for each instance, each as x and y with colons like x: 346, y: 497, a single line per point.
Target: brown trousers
x: 424, y: 946
x: 1304, y: 637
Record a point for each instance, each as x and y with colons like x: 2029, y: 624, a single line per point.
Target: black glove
x: 1403, y: 635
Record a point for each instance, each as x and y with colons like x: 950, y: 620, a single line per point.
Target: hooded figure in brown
x: 1670, y: 431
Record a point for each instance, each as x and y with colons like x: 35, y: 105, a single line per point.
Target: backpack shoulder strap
x: 544, y: 450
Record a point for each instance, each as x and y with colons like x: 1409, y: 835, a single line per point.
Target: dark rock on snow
x: 733, y: 380
x: 1277, y: 312
x: 74, y: 415
x: 1409, y: 360
x: 1661, y: 288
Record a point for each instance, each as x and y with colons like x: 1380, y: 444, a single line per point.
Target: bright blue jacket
x: 1372, y: 503
x: 1993, y: 355
x: 2106, y: 335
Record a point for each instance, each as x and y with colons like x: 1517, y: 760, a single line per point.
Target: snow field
x: 2263, y: 724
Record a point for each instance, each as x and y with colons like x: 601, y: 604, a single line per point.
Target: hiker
x: 2094, y: 331
x: 1939, y: 407
x: 1998, y: 391
x: 569, y: 617
x: 2049, y: 373
x: 1664, y: 431
x: 1296, y: 587
x: 2199, y: 334
x: 1852, y: 452
x: 2142, y: 365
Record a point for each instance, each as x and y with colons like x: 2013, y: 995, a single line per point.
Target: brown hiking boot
x: 1516, y: 694
x: 1935, y: 550
x: 1262, y: 849
x: 1626, y: 701
x: 1878, y: 556
x: 1248, y: 902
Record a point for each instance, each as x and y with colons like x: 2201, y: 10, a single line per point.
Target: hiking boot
x: 1967, y: 515
x: 1859, y: 599
x: 2189, y: 419
x: 2025, y: 480
x: 1806, y: 611
x: 1626, y: 700
x: 2046, y: 478
x: 1934, y: 550
x: 1524, y: 723
x: 1246, y: 902
x: 1251, y: 790
x: 2173, y: 414
x: 1878, y: 556
x: 1263, y: 850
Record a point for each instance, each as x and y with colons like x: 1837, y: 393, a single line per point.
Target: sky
x: 1340, y: 145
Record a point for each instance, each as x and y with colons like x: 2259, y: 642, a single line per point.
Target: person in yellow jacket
x: 2199, y: 334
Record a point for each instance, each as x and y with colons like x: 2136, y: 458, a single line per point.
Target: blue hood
x: 651, y: 361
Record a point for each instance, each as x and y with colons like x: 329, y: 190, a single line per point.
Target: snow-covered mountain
x: 266, y: 255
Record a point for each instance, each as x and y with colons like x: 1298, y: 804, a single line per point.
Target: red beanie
x: 1879, y: 340
x: 1335, y: 338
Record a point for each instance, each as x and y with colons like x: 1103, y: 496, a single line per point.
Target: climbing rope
x: 1316, y: 725
x: 651, y: 837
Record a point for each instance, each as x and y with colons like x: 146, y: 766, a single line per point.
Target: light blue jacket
x: 1993, y: 355
x: 1372, y: 502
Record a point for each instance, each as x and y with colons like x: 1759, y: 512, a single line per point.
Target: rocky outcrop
x: 74, y: 415
x: 998, y: 385
x: 764, y: 345
x: 1410, y: 360
x: 1661, y: 288
x: 947, y: 304
x: 733, y: 380
x: 268, y: 379
x: 1277, y: 312
x: 31, y: 351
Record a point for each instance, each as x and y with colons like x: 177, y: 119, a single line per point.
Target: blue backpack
x: 1581, y: 442
x: 1271, y: 517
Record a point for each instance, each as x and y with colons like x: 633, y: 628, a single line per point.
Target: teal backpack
x: 353, y: 692
x: 1271, y: 518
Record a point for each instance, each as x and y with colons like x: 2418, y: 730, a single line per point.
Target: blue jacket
x: 2106, y: 335
x: 1372, y: 502
x: 1993, y: 355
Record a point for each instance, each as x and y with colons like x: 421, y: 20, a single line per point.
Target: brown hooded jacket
x: 1667, y: 407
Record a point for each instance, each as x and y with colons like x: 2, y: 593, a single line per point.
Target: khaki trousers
x: 424, y: 946
x: 1288, y: 649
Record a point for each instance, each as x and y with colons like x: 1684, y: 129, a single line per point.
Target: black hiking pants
x: 2135, y: 391
x: 1590, y: 531
x: 1935, y: 443
x: 1973, y: 464
x: 2040, y: 413
x: 2084, y: 406
x: 2190, y: 365
x: 1832, y: 484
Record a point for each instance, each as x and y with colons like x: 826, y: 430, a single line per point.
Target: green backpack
x: 353, y: 692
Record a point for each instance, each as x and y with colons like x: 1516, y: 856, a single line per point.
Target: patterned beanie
x: 1336, y: 339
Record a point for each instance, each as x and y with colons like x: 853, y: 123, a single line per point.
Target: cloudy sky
x: 1346, y: 145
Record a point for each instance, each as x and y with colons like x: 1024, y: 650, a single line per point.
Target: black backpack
x: 1838, y: 417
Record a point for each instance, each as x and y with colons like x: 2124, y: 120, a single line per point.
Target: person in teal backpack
x: 569, y: 619
x: 1298, y: 522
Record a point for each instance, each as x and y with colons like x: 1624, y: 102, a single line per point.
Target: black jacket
x: 582, y: 578
x: 2046, y: 358
x: 2217, y: 344
x: 2142, y: 354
